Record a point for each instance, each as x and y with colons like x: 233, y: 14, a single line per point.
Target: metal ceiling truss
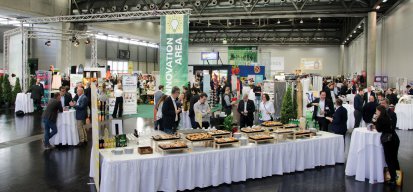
x: 103, y: 17
x: 291, y: 36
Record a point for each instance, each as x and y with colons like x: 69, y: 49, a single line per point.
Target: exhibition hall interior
x: 206, y: 95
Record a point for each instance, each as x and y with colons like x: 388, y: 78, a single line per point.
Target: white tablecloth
x: 174, y: 172
x: 67, y: 133
x: 24, y: 103
x: 350, y: 117
x: 366, y: 157
x: 404, y: 114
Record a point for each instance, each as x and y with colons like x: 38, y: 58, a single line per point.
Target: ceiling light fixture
x: 351, y: 35
x: 384, y: 1
x: 319, y: 19
x: 301, y: 21
x: 378, y: 7
x: 278, y: 22
x: 87, y: 41
x: 354, y: 31
x: 209, y: 24
x: 359, y: 26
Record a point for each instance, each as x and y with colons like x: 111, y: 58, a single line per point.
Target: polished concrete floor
x: 25, y: 166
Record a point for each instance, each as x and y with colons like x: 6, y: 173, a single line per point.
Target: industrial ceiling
x: 258, y: 22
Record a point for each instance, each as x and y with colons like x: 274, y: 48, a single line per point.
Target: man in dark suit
x: 358, y: 107
x: 49, y: 118
x: 392, y: 114
x: 392, y: 97
x: 170, y: 111
x: 246, y: 108
x: 37, y: 91
x: 339, y: 120
x: 81, y: 114
x: 369, y: 109
x: 323, y: 108
x: 327, y: 90
x: 409, y: 90
x: 66, y: 98
x: 368, y: 94
x: 88, y: 93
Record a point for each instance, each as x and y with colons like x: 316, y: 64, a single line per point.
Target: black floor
x: 25, y: 166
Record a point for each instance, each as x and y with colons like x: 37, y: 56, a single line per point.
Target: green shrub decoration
x: 228, y: 123
x: 287, y: 107
x: 7, y: 90
x: 17, y: 89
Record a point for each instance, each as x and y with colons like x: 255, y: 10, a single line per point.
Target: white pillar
x: 341, y: 70
x: 371, y: 47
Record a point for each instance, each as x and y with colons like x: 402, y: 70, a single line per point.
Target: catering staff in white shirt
x: 266, y: 109
x: 118, y: 93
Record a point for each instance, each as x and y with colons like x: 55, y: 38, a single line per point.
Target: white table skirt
x: 404, y: 114
x: 67, y: 133
x: 24, y: 103
x: 174, y: 172
x: 366, y: 157
x: 350, y: 117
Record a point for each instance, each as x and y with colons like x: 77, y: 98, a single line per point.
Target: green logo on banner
x: 174, y: 51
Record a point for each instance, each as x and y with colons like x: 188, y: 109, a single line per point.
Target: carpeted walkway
x: 144, y: 111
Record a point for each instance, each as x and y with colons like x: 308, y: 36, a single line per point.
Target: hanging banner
x: 174, y: 51
x: 245, y: 55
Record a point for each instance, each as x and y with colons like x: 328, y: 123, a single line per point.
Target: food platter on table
x: 199, y: 137
x: 290, y: 126
x: 165, y: 137
x: 173, y: 145
x: 271, y: 124
x: 261, y: 137
x: 219, y: 132
x: 226, y: 140
x: 252, y: 130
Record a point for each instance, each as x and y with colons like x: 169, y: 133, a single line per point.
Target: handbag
x: 386, y: 137
x: 271, y: 118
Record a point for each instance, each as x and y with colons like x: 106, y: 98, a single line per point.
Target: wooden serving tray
x: 145, y: 150
x: 176, y: 138
x: 200, y: 140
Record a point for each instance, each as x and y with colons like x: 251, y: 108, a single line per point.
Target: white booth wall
x: 330, y: 56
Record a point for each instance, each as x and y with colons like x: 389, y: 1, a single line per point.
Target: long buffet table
x: 208, y: 167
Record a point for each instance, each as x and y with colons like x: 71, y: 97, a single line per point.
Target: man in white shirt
x: 201, y: 108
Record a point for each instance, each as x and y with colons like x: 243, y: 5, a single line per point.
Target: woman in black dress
x: 389, y: 140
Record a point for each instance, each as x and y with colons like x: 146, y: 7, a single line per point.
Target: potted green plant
x: 287, y: 107
x: 228, y: 123
x: 7, y: 91
x: 1, y: 90
x: 17, y: 89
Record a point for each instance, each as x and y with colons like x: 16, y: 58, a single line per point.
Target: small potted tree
x: 7, y: 91
x: 17, y: 89
x: 287, y: 107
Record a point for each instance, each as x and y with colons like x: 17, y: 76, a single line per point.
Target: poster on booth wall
x: 45, y: 79
x: 74, y: 79
x: 174, y: 51
x: 250, y: 72
x: 242, y: 55
x: 112, y: 102
x: 129, y: 84
x: 277, y: 63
